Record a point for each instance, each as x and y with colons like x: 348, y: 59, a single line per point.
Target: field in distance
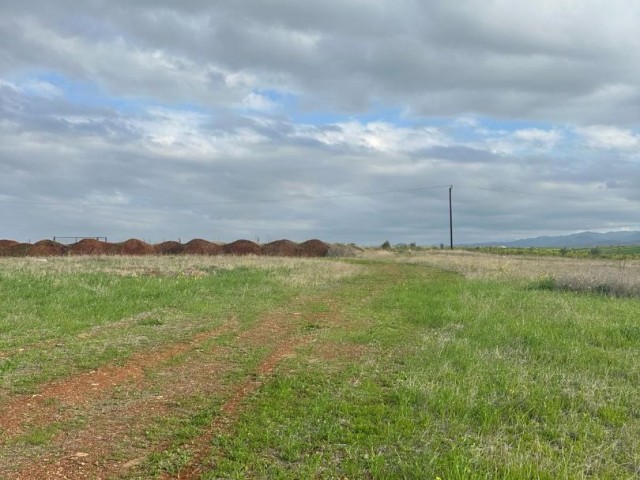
x: 427, y: 364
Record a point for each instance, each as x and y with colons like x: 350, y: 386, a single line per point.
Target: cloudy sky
x: 345, y: 120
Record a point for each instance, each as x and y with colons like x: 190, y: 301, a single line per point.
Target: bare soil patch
x: 113, y: 441
x: 198, y: 246
x: 134, y: 246
x: 170, y: 247
x: 18, y: 250
x: 281, y: 248
x: 47, y: 248
x: 314, y: 248
x: 241, y: 247
x: 5, y: 245
x: 89, y: 246
x: 42, y: 408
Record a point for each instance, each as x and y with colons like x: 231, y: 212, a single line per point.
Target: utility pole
x: 450, y: 219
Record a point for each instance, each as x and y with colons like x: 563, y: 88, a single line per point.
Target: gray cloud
x: 510, y: 59
x: 189, y: 125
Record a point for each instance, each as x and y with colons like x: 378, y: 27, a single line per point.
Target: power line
x: 551, y: 195
x: 296, y: 198
x: 231, y: 202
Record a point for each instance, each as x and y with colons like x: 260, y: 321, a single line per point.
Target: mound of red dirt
x: 170, y: 247
x: 133, y: 246
x: 281, y: 248
x: 5, y: 245
x: 18, y: 250
x: 241, y: 247
x: 89, y: 246
x: 47, y: 248
x: 198, y: 246
x: 314, y: 248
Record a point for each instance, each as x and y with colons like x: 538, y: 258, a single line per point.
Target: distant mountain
x: 576, y: 240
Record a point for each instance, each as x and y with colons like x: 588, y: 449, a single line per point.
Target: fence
x: 66, y: 240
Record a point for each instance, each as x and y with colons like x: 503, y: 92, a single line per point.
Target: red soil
x: 241, y: 247
x: 134, y: 247
x: 19, y: 250
x: 89, y: 246
x: 281, y: 248
x: 5, y: 245
x: 314, y: 248
x: 47, y: 248
x: 198, y: 246
x: 170, y: 247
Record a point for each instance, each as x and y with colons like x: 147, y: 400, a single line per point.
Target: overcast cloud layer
x: 340, y: 120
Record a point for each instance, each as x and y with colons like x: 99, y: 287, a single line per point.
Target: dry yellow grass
x: 302, y: 272
x: 621, y: 277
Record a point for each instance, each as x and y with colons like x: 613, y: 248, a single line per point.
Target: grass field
x: 616, y: 252
x: 430, y: 365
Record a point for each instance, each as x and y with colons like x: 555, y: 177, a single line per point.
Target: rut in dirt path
x: 229, y: 411
x: 92, y: 452
x: 200, y: 448
x: 44, y: 407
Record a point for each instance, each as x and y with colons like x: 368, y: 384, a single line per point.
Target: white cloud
x: 527, y: 140
x: 610, y: 138
x: 257, y: 102
x: 178, y: 109
x: 41, y: 88
x: 376, y: 136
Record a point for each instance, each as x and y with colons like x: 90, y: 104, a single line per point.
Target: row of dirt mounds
x: 198, y: 246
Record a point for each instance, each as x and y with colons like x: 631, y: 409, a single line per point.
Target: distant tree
x: 386, y: 245
x: 595, y: 251
x: 564, y: 251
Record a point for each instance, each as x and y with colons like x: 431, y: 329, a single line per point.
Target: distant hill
x: 576, y: 240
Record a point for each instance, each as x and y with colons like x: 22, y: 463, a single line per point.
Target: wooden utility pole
x: 450, y: 219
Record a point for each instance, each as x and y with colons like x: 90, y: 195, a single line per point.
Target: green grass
x: 54, y: 325
x: 617, y: 252
x: 462, y: 380
x: 412, y: 372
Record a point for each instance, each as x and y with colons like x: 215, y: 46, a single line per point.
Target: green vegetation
x: 459, y: 380
x: 614, y: 252
x: 55, y: 325
x: 393, y: 370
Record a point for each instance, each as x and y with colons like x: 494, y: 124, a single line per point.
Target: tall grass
x: 601, y: 276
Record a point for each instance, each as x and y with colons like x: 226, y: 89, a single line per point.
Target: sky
x: 343, y: 120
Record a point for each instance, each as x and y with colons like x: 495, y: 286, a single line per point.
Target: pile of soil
x: 47, y: 248
x: 198, y: 246
x: 134, y: 246
x: 170, y: 247
x: 89, y: 246
x: 19, y: 250
x: 5, y: 245
x: 314, y: 248
x: 281, y: 248
x: 241, y: 247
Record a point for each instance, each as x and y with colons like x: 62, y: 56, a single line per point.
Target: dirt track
x: 118, y: 404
